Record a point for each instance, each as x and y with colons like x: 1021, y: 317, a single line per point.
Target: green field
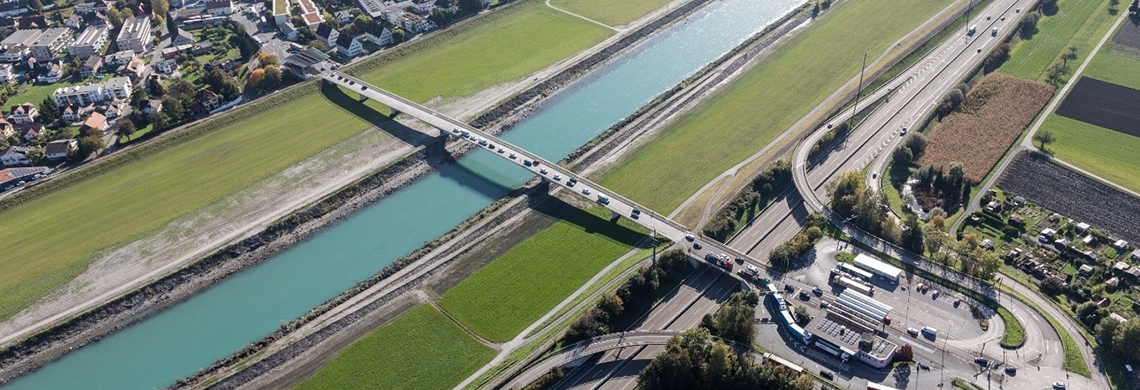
x: 421, y: 349
x: 1106, y: 153
x: 765, y: 101
x: 1078, y: 23
x: 52, y: 238
x: 518, y: 42
x: 611, y: 12
x: 1110, y: 66
x: 507, y: 295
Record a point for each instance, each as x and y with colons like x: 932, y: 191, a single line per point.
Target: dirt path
x: 584, y: 18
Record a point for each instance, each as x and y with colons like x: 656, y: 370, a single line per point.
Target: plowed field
x: 1103, y: 104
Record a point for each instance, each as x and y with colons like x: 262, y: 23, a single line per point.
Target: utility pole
x: 654, y: 243
x: 858, y: 93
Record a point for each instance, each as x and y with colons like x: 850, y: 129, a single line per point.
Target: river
x: 247, y: 306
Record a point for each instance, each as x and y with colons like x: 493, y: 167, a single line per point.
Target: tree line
x: 694, y: 361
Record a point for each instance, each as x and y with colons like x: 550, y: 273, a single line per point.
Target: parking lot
x: 913, y: 307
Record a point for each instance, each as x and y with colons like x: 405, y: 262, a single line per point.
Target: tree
x: 1126, y: 342
x: 223, y: 84
x: 468, y: 7
x: 115, y: 17
x: 172, y: 28
x: 917, y: 144
x: 36, y: 6
x: 49, y: 111
x: 125, y: 128
x: 1044, y: 137
x: 88, y: 145
x: 905, y: 353
x: 912, y: 235
x: 182, y: 90
x: 1052, y: 286
x: 272, y: 76
x: 1070, y: 55
x: 1089, y: 314
x: 903, y: 156
x: 1106, y: 329
x: 266, y: 58
x: 257, y: 77
x: 398, y: 35
x: 173, y: 108
x: 1134, y: 8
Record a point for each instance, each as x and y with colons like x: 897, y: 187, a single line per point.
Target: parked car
x: 1058, y: 385
x: 827, y: 375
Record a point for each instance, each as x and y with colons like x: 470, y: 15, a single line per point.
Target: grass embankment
x: 1074, y: 360
x: 502, y: 298
x: 1077, y: 23
x: 750, y: 113
x: 613, y: 13
x: 421, y: 349
x: 52, y: 238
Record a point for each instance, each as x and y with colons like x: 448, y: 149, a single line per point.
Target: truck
x: 720, y: 260
x: 853, y: 284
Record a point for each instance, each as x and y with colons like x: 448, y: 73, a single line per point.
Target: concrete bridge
x: 537, y: 165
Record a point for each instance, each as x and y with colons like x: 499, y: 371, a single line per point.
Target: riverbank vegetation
x: 501, y: 299
x: 747, y: 115
x: 55, y: 231
x: 421, y: 349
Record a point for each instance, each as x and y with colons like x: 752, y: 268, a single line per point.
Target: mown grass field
x: 516, y: 43
x: 1106, y: 153
x: 507, y: 295
x: 421, y: 349
x: 610, y: 12
x: 51, y: 239
x: 1077, y: 23
x: 1114, y: 68
x: 751, y: 112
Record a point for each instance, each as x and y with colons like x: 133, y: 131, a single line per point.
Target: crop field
x: 747, y: 115
x: 51, y: 239
x: 1072, y: 194
x: 1115, y: 67
x: 1128, y: 35
x: 1077, y: 23
x: 1106, y: 153
x: 613, y: 13
x: 1103, y: 104
x: 501, y: 299
x: 517, y: 42
x: 421, y: 349
x: 992, y: 117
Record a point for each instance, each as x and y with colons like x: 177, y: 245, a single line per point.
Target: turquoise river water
x: 253, y: 303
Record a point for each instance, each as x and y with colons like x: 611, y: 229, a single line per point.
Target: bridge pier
x: 361, y: 98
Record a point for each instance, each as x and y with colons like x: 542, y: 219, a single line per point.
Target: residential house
x: 14, y: 48
x: 182, y: 38
x: 167, y: 66
x: 50, y: 43
x: 412, y: 23
x: 71, y: 113
x: 74, y: 21
x: 6, y: 75
x: 89, y: 42
x: 175, y: 51
x: 374, y: 8
x: 91, y: 66
x: 94, y: 6
x: 15, y: 155
x: 344, y: 17
x: 135, y: 34
x: 23, y: 114
x: 133, y: 68
x: 13, y: 7
x: 423, y: 7
x: 327, y: 34
x: 94, y: 18
x: 117, y: 109
x: 228, y: 66
x: 53, y: 73
x: 376, y: 33
x: 119, y: 58
x: 32, y: 133
x: 307, y: 62
x: 348, y: 46
x: 200, y: 48
x: 32, y: 22
x: 219, y: 8
x: 60, y: 149
x: 450, y: 5
x: 208, y: 99
x: 6, y: 129
x: 288, y: 30
x: 85, y: 95
x: 310, y: 14
x: 152, y: 106
x: 95, y: 124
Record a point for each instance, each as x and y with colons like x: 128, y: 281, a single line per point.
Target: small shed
x: 1086, y: 270
x: 1082, y: 227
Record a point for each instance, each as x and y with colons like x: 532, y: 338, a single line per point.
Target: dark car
x: 827, y: 375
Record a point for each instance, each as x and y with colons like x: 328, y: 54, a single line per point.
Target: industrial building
x: 879, y: 268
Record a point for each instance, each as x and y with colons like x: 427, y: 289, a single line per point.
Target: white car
x: 753, y: 270
x: 557, y: 177
x: 513, y: 156
x: 1058, y: 385
x: 585, y: 191
x: 543, y: 171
